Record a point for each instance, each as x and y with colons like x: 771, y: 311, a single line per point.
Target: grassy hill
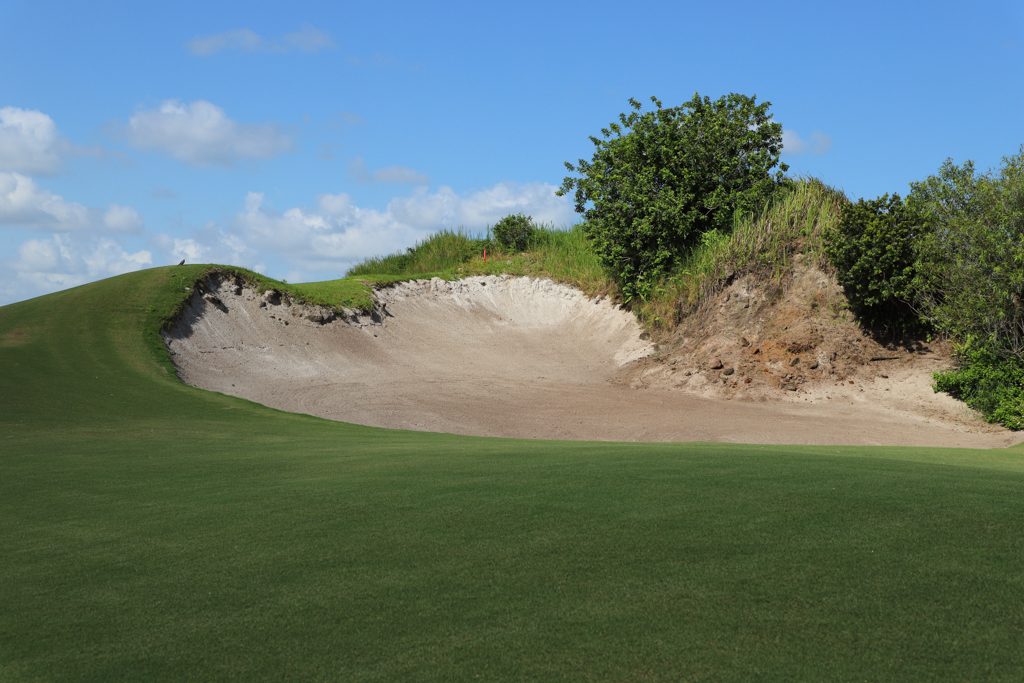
x: 151, y: 530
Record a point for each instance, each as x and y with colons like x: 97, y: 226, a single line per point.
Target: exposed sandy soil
x: 528, y: 358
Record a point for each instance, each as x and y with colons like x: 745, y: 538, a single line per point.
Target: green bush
x: 970, y: 280
x: 660, y: 179
x: 872, y: 248
x: 988, y: 382
x: 971, y: 261
x: 514, y: 232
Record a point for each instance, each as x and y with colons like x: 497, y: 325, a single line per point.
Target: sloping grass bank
x: 154, y: 531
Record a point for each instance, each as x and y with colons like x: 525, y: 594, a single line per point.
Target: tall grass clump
x: 795, y: 221
x: 441, y: 252
x: 562, y: 255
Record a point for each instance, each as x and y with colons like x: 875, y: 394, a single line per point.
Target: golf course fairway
x: 151, y: 530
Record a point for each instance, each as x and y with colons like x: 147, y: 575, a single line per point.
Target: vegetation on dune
x: 660, y: 180
x: 873, y: 249
x: 795, y: 221
x: 971, y: 256
x: 561, y: 255
x: 443, y: 252
x: 971, y: 281
x: 154, y: 531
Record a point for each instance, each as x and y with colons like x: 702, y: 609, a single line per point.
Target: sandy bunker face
x: 498, y: 356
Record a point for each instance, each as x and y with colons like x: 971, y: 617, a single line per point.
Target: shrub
x: 872, y: 248
x: 971, y: 281
x: 514, y: 232
x: 659, y: 179
x: 971, y: 261
x: 988, y: 382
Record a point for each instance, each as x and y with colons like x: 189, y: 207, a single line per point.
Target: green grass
x: 561, y: 255
x: 443, y: 251
x: 151, y: 530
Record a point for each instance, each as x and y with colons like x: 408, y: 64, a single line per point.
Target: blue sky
x: 301, y: 138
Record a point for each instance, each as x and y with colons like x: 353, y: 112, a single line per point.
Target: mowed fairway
x: 150, y: 530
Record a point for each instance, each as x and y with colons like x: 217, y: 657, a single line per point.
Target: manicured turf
x: 150, y: 530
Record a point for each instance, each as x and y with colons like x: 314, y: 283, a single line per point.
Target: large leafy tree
x: 659, y: 179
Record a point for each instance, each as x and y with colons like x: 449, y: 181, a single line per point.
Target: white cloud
x: 816, y: 143
x: 61, y: 261
x: 306, y: 39
x: 398, y: 175
x: 122, y: 219
x: 23, y: 204
x: 29, y: 142
x: 200, y: 133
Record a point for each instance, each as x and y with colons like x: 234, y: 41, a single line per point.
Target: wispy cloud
x: 306, y: 39
x: 816, y: 143
x: 200, y: 133
x: 399, y: 175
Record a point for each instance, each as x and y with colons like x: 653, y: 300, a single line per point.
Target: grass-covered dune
x: 150, y: 530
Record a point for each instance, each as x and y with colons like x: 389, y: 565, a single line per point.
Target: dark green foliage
x: 988, y: 382
x: 873, y: 251
x: 514, y: 232
x: 971, y: 281
x: 660, y: 179
x: 971, y: 261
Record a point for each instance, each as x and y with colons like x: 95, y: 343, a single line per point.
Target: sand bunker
x: 498, y: 356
